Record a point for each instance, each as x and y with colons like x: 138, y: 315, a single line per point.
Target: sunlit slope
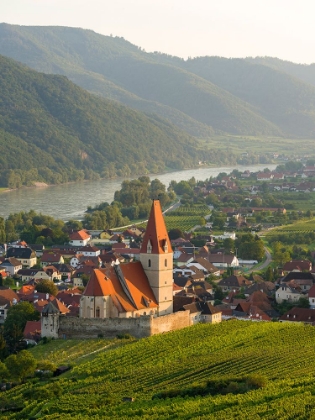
x: 180, y: 364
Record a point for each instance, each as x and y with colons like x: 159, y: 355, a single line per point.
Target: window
x: 97, y: 312
x: 149, y: 263
x: 165, y: 262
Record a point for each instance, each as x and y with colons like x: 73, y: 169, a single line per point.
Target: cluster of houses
x: 144, y: 273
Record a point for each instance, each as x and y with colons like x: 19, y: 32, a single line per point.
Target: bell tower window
x: 149, y: 263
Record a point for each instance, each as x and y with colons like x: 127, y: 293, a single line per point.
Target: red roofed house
x: 302, y: 265
x: 79, y: 238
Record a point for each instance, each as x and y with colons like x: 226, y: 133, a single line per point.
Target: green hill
x: 53, y: 131
x: 235, y: 369
x: 114, y: 68
x: 275, y: 93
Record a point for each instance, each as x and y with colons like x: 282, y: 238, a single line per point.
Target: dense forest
x: 53, y: 131
x: 203, y: 96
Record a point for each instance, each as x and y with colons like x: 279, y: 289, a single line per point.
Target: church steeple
x: 156, y: 240
x: 156, y: 256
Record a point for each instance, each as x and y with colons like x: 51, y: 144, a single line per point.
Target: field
x: 168, y: 377
x: 302, y: 226
x: 186, y: 217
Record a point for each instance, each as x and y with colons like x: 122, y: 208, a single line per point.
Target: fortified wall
x: 143, y: 326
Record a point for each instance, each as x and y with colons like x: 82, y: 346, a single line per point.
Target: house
x: 203, y: 312
x: 305, y: 315
x: 32, y: 330
x: 233, y: 283
x: 303, y: 279
x: 297, y: 265
x: 11, y: 266
x: 7, y: 298
x: 26, y: 256
x: 223, y: 260
x: 288, y: 293
x: 204, y: 265
x: 49, y: 258
x: 79, y: 238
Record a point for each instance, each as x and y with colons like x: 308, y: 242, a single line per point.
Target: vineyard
x: 186, y: 217
x: 124, y: 381
x: 298, y: 227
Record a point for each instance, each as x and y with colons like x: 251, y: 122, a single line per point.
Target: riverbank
x: 70, y: 201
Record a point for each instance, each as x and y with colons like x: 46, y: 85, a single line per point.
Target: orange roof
x: 156, y: 231
x: 104, y: 282
x: 9, y: 294
x: 80, y: 235
x: 59, y: 305
x: 26, y: 289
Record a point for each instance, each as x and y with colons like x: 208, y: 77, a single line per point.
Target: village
x: 206, y: 283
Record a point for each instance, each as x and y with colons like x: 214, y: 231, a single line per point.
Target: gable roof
x: 80, y: 235
x: 299, y: 315
x: 25, y: 253
x: 234, y: 281
x: 129, y: 294
x: 156, y: 232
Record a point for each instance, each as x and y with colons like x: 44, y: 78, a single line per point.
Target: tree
x: 47, y: 286
x: 4, y: 373
x: 175, y: 234
x: 21, y: 365
x: 15, y: 322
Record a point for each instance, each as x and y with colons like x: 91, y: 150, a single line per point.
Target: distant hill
x: 280, y: 97
x: 116, y: 69
x: 53, y: 131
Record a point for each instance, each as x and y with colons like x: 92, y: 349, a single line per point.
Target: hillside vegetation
x: 235, y: 369
x: 53, y: 131
x: 202, y: 96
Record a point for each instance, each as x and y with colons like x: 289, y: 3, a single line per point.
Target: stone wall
x: 170, y: 322
x: 143, y: 326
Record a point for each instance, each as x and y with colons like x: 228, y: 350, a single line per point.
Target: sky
x: 185, y: 28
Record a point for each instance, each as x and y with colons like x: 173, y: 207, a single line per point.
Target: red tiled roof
x: 79, y: 235
x: 104, y: 282
x: 31, y: 328
x: 156, y: 231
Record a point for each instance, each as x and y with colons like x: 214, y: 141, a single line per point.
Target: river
x: 69, y: 201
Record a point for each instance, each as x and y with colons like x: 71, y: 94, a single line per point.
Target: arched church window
x: 165, y: 262
x: 149, y: 263
x: 97, y: 312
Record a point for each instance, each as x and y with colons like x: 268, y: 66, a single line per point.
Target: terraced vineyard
x: 178, y: 364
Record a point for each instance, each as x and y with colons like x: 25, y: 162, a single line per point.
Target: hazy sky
x: 228, y: 28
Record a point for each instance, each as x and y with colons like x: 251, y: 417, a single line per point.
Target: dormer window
x: 165, y: 247
x: 149, y: 247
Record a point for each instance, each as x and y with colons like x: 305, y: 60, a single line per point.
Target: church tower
x: 156, y: 256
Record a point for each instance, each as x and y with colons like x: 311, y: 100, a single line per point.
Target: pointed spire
x: 156, y: 240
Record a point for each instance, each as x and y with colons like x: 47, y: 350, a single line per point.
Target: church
x: 134, y: 297
x: 135, y: 288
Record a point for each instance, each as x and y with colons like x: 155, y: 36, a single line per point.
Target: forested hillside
x: 53, y: 131
x: 116, y: 69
